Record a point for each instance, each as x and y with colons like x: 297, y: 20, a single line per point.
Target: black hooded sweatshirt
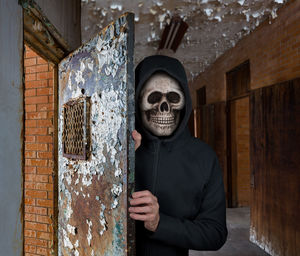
x: 183, y: 173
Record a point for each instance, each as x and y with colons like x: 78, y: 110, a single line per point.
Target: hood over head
x: 173, y: 67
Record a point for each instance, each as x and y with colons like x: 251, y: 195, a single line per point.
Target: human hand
x: 146, y: 209
x: 137, y: 139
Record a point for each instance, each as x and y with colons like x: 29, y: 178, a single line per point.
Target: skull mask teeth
x: 161, y: 102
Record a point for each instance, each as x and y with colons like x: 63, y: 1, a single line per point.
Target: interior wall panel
x: 274, y: 154
x: 11, y: 114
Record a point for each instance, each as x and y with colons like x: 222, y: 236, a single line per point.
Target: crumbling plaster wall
x: 214, y: 25
x: 273, y: 51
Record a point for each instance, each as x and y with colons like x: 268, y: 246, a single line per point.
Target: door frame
x: 232, y: 185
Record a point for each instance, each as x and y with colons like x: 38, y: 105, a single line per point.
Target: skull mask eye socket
x: 173, y: 97
x: 154, y: 97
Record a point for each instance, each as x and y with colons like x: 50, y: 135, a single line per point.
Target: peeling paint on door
x: 93, y: 193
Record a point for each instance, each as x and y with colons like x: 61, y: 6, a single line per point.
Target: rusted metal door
x: 96, y: 152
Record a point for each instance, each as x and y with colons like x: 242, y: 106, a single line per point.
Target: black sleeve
x: 208, y: 230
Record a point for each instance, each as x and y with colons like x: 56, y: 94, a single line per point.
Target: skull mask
x: 161, y: 102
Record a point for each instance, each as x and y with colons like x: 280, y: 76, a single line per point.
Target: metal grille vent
x: 76, y: 129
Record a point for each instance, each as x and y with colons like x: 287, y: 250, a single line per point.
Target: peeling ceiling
x: 214, y: 25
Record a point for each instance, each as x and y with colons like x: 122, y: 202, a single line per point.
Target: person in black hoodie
x: 179, y: 203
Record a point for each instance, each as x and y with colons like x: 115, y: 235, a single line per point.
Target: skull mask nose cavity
x: 164, y: 107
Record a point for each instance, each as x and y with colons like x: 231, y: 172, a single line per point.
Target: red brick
x: 30, y: 217
x: 34, y: 241
x: 36, y: 146
x: 30, y: 92
x: 29, y: 62
x: 29, y: 138
x: 43, y: 219
x: 50, y: 195
x: 30, y: 77
x: 44, y: 170
x: 50, y: 115
x: 51, y: 82
x: 36, y: 131
x: 37, y: 178
x: 43, y: 235
x: 51, y: 98
x: 30, y: 69
x: 30, y: 123
x: 35, y: 209
x: 45, y: 139
x: 36, y: 84
x: 29, y: 201
x: 36, y: 115
x: 44, y: 75
x: 30, y: 108
x: 31, y: 254
x: 44, y: 186
x: 40, y: 60
x: 45, y: 107
x: 44, y: 91
x: 42, y: 68
x: 44, y: 202
x: 36, y: 162
x: 35, y: 194
x: 45, y: 155
x: 42, y: 251
x: 44, y: 123
x: 30, y: 248
x: 29, y: 53
x: 36, y: 99
x: 30, y: 169
x: 50, y: 179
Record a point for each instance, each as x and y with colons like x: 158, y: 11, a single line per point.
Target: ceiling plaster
x: 214, y: 25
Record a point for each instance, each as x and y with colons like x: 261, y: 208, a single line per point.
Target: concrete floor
x: 237, y: 244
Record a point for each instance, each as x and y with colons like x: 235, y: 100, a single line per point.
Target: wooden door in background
x: 210, y: 127
x: 275, y: 162
x: 239, y: 152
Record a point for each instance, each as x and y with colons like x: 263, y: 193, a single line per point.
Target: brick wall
x: 273, y: 51
x: 38, y: 184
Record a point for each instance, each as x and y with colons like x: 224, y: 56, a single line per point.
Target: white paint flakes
x: 68, y: 210
x: 102, y: 220
x: 241, y: 2
x: 89, y: 235
x: 118, y: 172
x: 279, y: 1
x: 78, y: 74
x: 208, y: 11
x: 114, y: 204
x: 116, y: 7
x: 67, y: 242
x: 218, y: 18
x: 116, y: 189
x: 71, y: 229
x: 152, y: 11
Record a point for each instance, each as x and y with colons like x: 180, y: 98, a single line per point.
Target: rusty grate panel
x: 76, y: 129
